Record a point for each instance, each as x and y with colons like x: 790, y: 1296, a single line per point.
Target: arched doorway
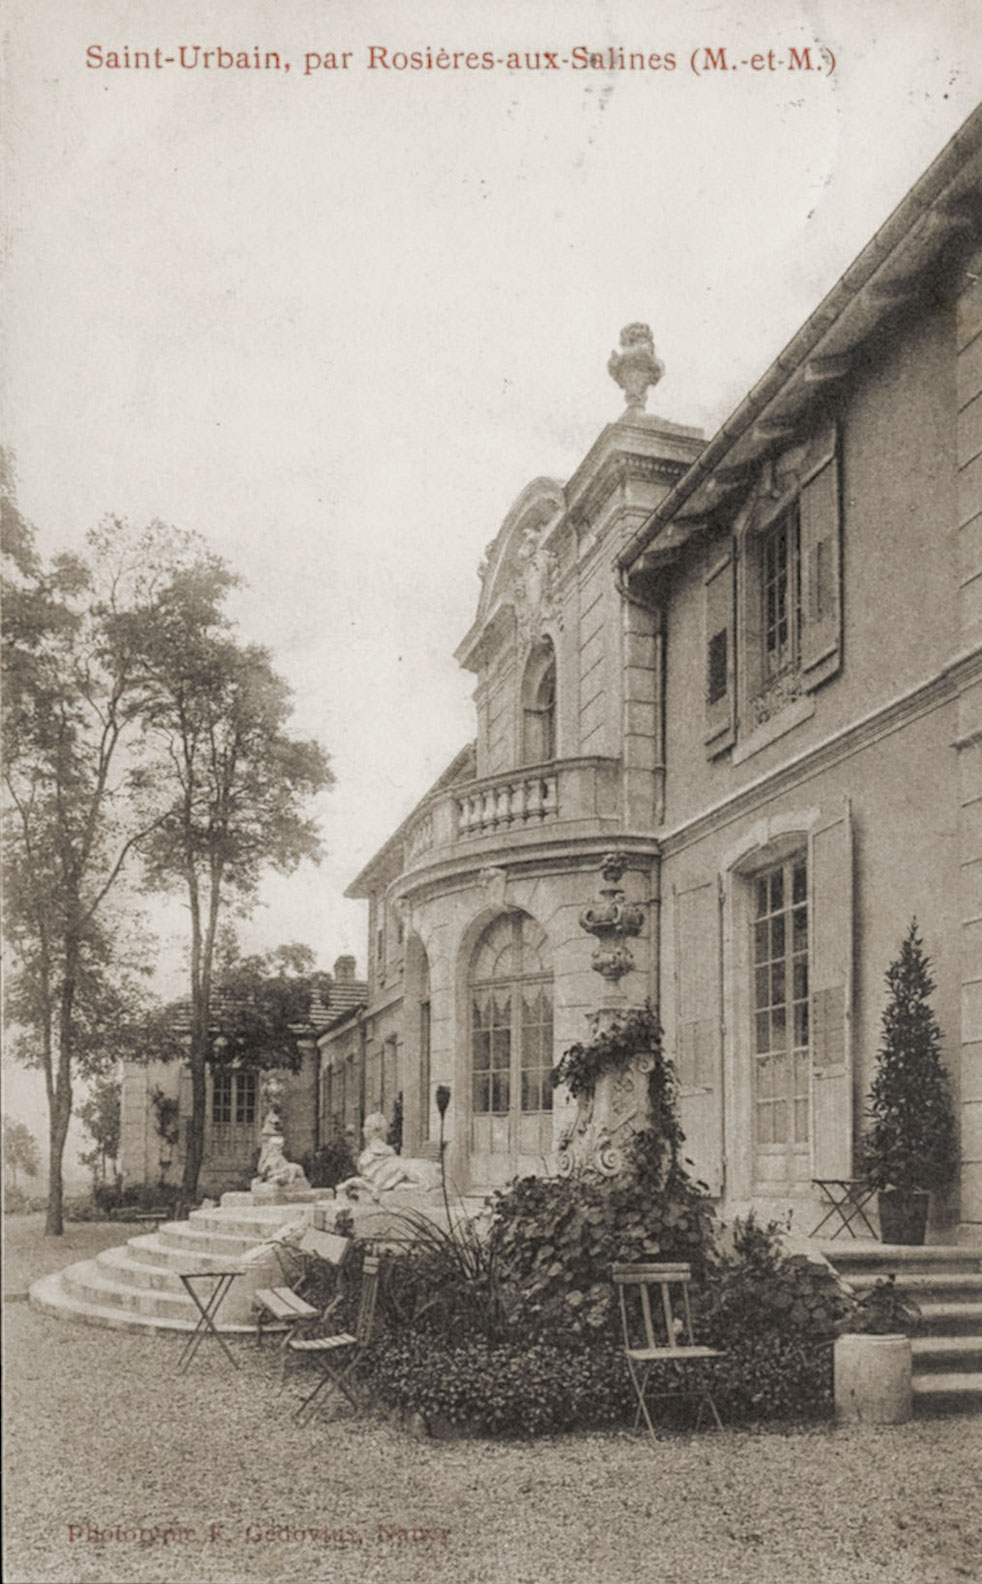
x: 511, y: 1048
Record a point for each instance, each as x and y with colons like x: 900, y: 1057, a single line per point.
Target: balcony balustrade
x: 516, y: 805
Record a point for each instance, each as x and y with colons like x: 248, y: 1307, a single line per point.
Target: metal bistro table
x: 207, y: 1307
x: 844, y: 1201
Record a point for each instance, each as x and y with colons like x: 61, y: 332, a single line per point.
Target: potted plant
x: 872, y: 1358
x: 909, y: 1151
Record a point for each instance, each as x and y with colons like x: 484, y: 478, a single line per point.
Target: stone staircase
x: 137, y: 1286
x: 946, y: 1281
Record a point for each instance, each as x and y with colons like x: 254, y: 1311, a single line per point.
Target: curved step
x: 148, y: 1249
x: 49, y: 1296
x: 88, y: 1282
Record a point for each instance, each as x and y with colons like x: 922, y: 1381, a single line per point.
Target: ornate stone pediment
x: 534, y: 585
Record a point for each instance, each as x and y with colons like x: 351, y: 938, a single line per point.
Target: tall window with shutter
x: 787, y: 637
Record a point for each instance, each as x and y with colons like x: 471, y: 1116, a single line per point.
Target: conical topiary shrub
x: 910, y: 1149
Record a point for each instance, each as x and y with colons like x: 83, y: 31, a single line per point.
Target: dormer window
x: 539, y: 706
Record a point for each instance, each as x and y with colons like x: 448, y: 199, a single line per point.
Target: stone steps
x: 946, y: 1283
x: 136, y: 1285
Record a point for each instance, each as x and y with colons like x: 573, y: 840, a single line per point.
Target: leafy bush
x: 555, y: 1241
x: 329, y: 1165
x: 17, y: 1202
x: 110, y: 1199
x: 508, y: 1389
x: 444, y: 1283
x: 884, y: 1309
x: 760, y: 1290
x: 774, y: 1376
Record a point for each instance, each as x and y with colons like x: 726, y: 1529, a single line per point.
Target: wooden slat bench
x: 285, y: 1307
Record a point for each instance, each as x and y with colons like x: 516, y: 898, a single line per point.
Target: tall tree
x: 71, y: 736
x: 233, y: 784
x: 66, y: 716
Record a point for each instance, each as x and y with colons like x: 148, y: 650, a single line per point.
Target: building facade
x: 155, y: 1105
x: 754, y: 666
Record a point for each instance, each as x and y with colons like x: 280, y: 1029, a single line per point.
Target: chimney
x: 344, y: 970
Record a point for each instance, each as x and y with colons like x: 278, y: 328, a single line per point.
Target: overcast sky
x: 335, y: 322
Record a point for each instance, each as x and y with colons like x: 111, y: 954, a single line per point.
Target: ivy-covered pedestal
x: 611, y: 1076
x: 607, y: 1116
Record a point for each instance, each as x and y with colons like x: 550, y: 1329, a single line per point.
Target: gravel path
x: 104, y: 1439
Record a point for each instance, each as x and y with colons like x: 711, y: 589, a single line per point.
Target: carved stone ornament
x: 599, y: 1135
x: 611, y: 920
x: 494, y: 881
x: 635, y: 368
x: 597, y: 1138
x: 535, y: 586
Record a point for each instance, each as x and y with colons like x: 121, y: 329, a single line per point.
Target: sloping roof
x: 343, y: 996
x: 939, y: 220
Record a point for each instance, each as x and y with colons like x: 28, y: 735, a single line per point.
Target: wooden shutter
x: 720, y: 656
x: 821, y: 627
x: 698, y: 1042
x: 830, y: 972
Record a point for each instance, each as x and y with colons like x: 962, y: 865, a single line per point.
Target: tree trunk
x: 59, y: 1119
x: 60, y: 1105
x: 196, y: 1131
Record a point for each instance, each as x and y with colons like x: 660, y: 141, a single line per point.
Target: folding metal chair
x: 287, y: 1308
x: 338, y: 1356
x: 663, y: 1336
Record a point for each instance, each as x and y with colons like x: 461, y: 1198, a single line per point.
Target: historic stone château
x: 754, y: 666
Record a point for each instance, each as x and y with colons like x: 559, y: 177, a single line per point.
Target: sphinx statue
x: 381, y: 1170
x: 273, y: 1167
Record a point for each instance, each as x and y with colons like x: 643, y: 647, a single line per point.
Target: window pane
x: 778, y: 1028
x: 777, y: 984
x: 801, y: 1023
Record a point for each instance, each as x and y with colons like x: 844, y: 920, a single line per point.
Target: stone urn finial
x: 635, y: 368
x: 612, y: 920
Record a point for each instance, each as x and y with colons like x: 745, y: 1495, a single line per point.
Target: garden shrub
x: 329, y: 1165
x: 760, y: 1289
x: 555, y: 1241
x: 111, y: 1199
x: 774, y: 1376
x: 508, y: 1389
x: 775, y: 1315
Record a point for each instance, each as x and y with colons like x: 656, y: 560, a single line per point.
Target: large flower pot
x: 872, y: 1379
x: 903, y: 1214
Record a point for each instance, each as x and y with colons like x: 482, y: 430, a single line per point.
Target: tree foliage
x: 225, y: 787
x: 20, y: 1150
x: 134, y: 724
x: 100, y: 1115
x: 912, y: 1141
x: 70, y: 721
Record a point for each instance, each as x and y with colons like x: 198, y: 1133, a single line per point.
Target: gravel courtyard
x: 104, y: 1440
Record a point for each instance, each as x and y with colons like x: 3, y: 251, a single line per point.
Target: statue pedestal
x: 389, y: 1218
x: 598, y: 1139
x: 270, y: 1194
